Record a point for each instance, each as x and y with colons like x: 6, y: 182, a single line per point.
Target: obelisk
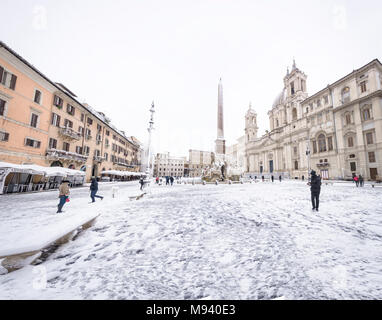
x: 220, y: 142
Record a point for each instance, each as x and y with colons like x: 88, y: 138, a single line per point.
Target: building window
x: 326, y: 99
x: 296, y: 165
x: 348, y: 119
x: 366, y: 113
x: 7, y: 79
x: 66, y: 146
x: 363, y: 86
x: 303, y: 85
x: 292, y: 88
x: 371, y: 157
x: 330, y: 143
x: 32, y: 143
x: 318, y: 103
x: 4, y: 136
x: 37, y: 96
x: 34, y: 120
x: 345, y: 95
x: 99, y: 127
x: 90, y: 121
x: 58, y: 102
x: 86, y: 150
x: 68, y: 124
x: 82, y: 117
x: 107, y: 132
x: 311, y: 106
x: 294, y: 114
x: 52, y: 143
x: 353, y: 166
x: 56, y: 120
x: 70, y: 109
x: 369, y: 138
x: 79, y: 150
x: 106, y: 156
x: 321, y: 143
x: 88, y: 133
x: 295, y: 151
x: 350, y: 142
x: 2, y: 107
x: 81, y: 131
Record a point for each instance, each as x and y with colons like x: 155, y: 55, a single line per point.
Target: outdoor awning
x: 40, y: 170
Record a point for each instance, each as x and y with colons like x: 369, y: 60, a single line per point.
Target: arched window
x: 56, y: 164
x: 277, y: 122
x: 345, y: 95
x: 321, y: 143
x: 294, y: 114
x: 296, y: 165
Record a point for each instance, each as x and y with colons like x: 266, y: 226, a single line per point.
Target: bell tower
x: 251, y: 127
x: 295, y: 82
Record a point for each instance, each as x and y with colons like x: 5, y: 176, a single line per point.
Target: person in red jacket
x: 356, y: 180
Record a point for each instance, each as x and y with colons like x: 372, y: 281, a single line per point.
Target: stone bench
x: 15, y: 258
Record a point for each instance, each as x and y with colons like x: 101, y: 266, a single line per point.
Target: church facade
x: 337, y: 131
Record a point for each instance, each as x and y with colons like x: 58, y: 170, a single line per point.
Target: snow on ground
x: 251, y: 241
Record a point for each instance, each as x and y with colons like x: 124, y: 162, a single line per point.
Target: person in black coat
x: 142, y: 183
x: 94, y: 190
x: 315, y: 189
x: 360, y: 178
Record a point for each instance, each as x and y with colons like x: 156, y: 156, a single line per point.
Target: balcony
x: 53, y: 154
x: 323, y: 165
x: 98, y: 158
x: 70, y: 133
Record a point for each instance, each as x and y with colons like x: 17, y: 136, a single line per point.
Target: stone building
x: 42, y: 122
x: 198, y: 161
x: 166, y: 165
x: 236, y: 154
x: 337, y: 131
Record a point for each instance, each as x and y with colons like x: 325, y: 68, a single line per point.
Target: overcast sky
x: 119, y: 56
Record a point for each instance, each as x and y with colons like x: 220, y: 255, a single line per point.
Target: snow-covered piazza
x: 240, y: 241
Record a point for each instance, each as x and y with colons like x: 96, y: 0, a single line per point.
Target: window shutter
x: 6, y: 136
x: 13, y: 82
x: 1, y: 73
x: 58, y: 120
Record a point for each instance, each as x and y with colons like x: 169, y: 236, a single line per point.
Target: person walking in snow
x: 356, y: 180
x: 94, y: 189
x: 315, y: 189
x: 360, y: 178
x: 273, y: 178
x: 172, y: 180
x: 262, y: 178
x: 280, y: 177
x: 142, y: 183
x: 63, y: 194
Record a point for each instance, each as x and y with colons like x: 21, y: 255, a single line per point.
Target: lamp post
x: 150, y: 129
x: 308, y: 155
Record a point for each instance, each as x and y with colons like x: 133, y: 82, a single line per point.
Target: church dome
x: 280, y: 99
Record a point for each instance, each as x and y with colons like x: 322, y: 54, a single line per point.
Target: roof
x: 60, y: 87
x: 342, y: 79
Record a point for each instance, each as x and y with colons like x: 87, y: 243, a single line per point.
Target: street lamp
x: 150, y: 129
x: 308, y: 155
